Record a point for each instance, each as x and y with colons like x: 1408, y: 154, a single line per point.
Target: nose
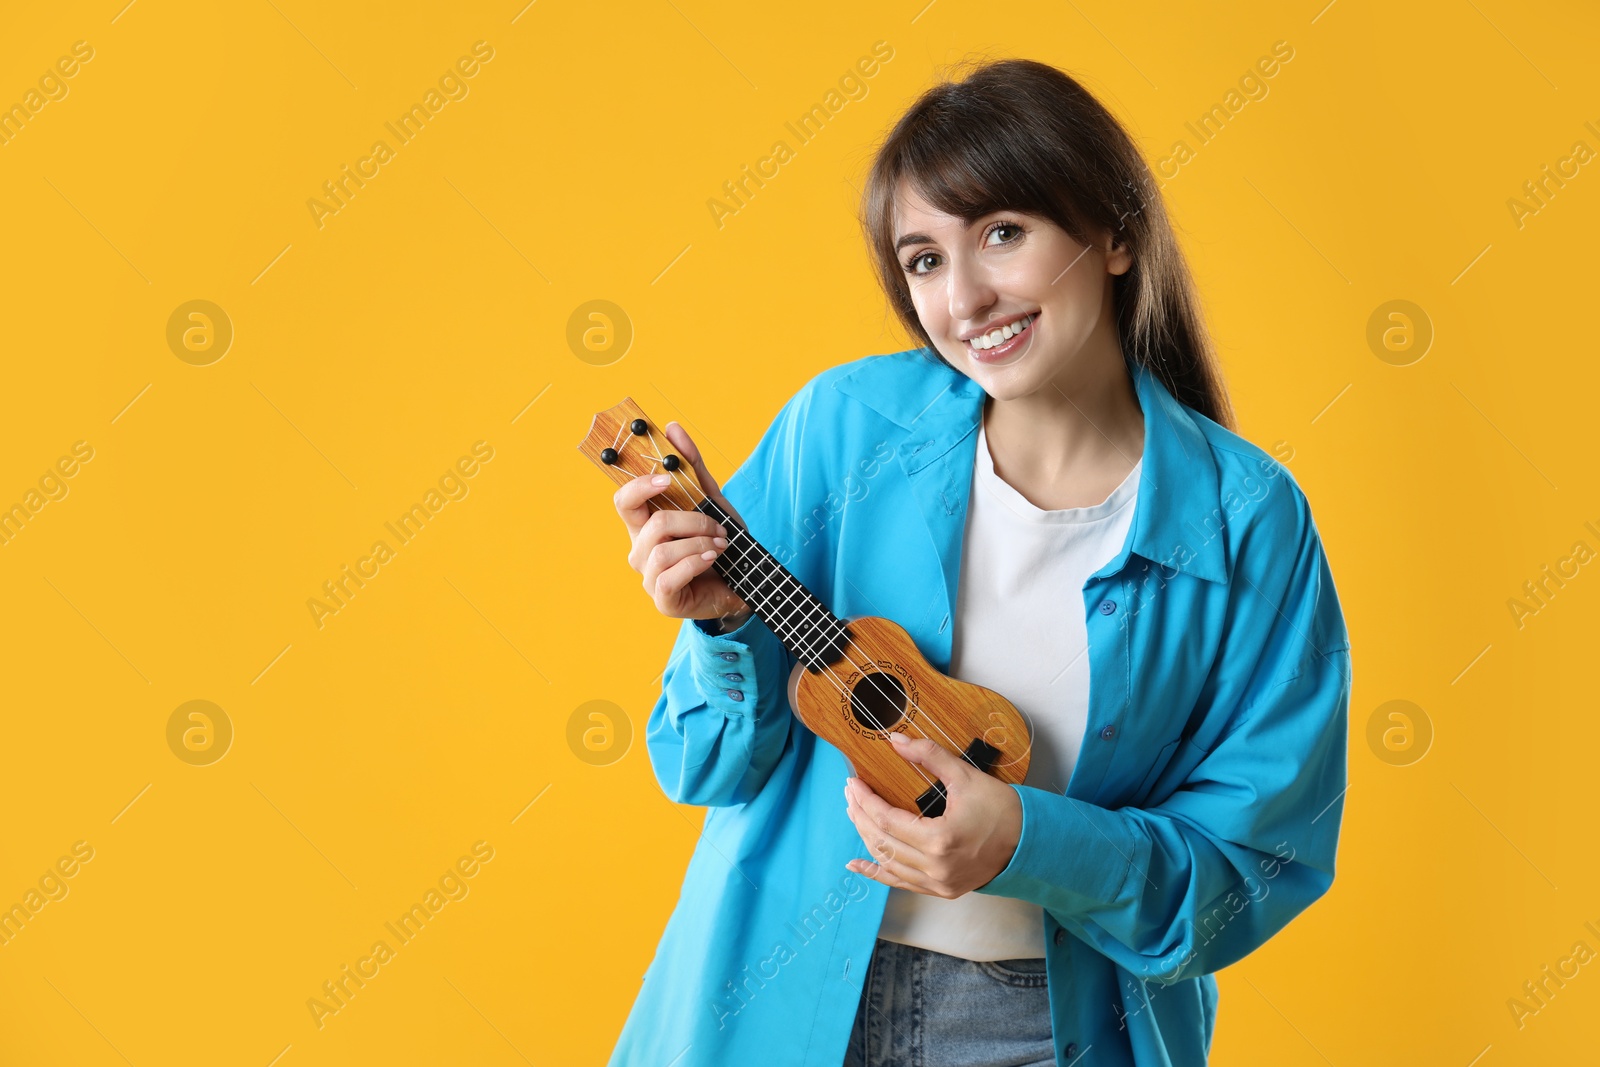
x: 970, y: 289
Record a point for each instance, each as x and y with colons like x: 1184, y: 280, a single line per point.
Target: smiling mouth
x: 1002, y: 341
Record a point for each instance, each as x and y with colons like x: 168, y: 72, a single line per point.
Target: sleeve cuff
x: 1071, y: 856
x: 725, y: 664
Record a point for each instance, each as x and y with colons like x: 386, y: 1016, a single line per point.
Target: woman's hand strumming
x: 674, y: 549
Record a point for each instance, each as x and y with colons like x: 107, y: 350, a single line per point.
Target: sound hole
x: 878, y: 701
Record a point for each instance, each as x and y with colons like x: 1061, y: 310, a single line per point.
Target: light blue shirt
x: 1202, y: 815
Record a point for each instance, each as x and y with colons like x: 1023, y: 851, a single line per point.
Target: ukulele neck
x: 815, y: 636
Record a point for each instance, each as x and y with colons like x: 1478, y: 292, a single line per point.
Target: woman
x: 1049, y: 497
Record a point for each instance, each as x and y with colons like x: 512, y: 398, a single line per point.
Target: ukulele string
x: 795, y: 635
x: 796, y: 638
x: 805, y: 615
x: 870, y: 677
x: 866, y: 676
x: 733, y: 535
x: 832, y: 678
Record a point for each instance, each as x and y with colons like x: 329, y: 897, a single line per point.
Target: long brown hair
x: 1018, y: 135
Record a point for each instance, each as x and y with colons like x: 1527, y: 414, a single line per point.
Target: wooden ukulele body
x: 855, y: 682
x: 884, y: 685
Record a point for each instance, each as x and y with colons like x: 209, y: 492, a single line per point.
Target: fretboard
x: 807, y: 629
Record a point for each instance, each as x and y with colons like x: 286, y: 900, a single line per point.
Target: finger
x: 933, y: 757
x: 687, y: 449
x: 671, y: 523
x: 884, y: 850
x: 683, y: 442
x: 902, y: 824
x: 882, y: 841
x: 668, y: 554
x: 672, y: 581
x: 879, y: 873
x: 632, y: 500
x: 668, y: 525
x: 893, y: 861
x: 957, y: 772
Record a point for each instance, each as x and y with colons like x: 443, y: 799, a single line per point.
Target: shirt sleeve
x: 1247, y: 841
x: 723, y: 718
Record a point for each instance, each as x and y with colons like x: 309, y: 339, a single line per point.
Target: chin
x: 1007, y: 390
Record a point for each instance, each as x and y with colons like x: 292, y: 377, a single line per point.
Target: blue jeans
x: 926, y: 1009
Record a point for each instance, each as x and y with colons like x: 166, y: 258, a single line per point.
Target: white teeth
x: 984, y: 342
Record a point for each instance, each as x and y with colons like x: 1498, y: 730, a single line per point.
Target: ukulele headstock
x: 625, y: 443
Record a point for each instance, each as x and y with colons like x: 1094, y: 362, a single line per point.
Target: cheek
x: 1084, y: 274
x: 1072, y: 304
x: 1044, y: 276
x: 1066, y: 323
x: 932, y: 312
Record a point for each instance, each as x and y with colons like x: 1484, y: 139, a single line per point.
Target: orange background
x: 436, y: 708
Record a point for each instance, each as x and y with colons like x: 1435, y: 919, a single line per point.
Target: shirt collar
x: 1177, y: 520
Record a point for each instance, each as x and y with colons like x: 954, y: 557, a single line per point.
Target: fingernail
x: 720, y: 542
x: 661, y: 479
x: 897, y: 738
x: 722, y: 529
x: 708, y: 554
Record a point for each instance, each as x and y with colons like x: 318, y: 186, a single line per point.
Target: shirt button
x: 734, y: 694
x: 1107, y: 607
x: 1107, y: 733
x: 734, y: 676
x: 1061, y: 936
x: 1071, y: 1050
x: 729, y: 656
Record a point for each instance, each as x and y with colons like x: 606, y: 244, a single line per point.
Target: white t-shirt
x: 1019, y: 630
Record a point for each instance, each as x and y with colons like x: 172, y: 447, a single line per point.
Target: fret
x: 806, y: 627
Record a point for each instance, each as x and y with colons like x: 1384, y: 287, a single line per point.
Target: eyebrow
x: 922, y: 238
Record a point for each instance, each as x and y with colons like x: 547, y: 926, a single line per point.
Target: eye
x: 1004, y: 225
x: 917, y: 263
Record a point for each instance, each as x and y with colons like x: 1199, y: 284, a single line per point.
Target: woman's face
x: 1009, y: 270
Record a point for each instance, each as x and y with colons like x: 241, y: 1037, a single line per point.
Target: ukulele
x: 854, y: 682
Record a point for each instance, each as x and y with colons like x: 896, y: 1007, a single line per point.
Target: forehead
x: 912, y: 212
